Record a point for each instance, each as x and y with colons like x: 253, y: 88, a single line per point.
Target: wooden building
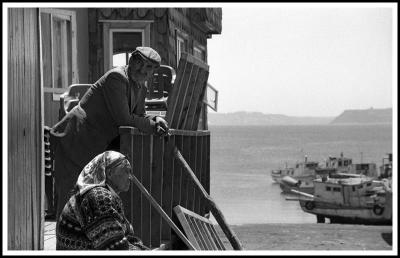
x: 50, y: 49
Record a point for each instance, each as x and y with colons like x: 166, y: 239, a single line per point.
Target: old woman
x: 93, y: 218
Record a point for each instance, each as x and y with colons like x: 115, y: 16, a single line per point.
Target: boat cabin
x: 343, y: 191
x: 341, y: 164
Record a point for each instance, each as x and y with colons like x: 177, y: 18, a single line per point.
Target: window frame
x: 180, y: 37
x: 205, y: 100
x: 70, y: 16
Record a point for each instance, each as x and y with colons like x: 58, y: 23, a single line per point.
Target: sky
x: 303, y: 61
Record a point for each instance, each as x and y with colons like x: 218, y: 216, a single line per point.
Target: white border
x: 236, y: 5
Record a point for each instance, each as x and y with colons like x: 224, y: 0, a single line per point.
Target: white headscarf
x: 94, y: 173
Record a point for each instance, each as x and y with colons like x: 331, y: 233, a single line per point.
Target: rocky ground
x: 310, y: 237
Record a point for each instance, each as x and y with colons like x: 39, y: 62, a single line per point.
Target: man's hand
x: 161, y: 126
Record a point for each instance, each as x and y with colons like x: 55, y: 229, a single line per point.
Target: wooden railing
x: 154, y: 165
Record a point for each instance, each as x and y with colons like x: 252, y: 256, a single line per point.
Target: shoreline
x: 311, y: 237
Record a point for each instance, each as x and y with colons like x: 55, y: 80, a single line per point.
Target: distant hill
x: 258, y: 118
x: 365, y: 116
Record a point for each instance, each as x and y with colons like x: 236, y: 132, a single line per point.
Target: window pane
x: 62, y: 73
x: 119, y: 59
x: 46, y: 49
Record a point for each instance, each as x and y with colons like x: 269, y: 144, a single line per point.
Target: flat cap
x: 148, y: 53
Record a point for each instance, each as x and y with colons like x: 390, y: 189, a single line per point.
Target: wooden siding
x: 154, y: 165
x: 25, y: 133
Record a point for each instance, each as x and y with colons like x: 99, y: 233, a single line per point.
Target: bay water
x: 242, y: 158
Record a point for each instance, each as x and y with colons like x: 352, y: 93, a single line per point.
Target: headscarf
x: 96, y: 171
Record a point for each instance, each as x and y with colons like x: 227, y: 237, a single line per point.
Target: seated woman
x: 93, y: 218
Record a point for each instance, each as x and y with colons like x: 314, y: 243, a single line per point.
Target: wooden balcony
x: 154, y: 165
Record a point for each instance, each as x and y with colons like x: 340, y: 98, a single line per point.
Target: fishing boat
x: 349, y: 198
x: 300, y: 170
x: 385, y: 170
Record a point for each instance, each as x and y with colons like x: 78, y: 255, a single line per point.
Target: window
x: 211, y: 97
x: 336, y: 189
x: 180, y: 47
x: 120, y: 39
x: 200, y: 53
x: 328, y: 188
x: 354, y: 188
x: 58, y: 50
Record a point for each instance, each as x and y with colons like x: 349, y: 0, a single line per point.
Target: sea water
x: 242, y: 158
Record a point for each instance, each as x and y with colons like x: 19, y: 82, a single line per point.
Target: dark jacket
x: 113, y: 101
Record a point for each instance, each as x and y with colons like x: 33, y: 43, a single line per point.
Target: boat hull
x: 374, y: 215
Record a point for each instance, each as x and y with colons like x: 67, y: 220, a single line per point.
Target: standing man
x: 116, y: 99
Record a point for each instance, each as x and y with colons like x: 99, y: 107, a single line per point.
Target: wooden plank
x: 11, y: 137
x: 198, y: 173
x: 177, y: 117
x: 185, y: 150
x: 202, y: 179
x: 198, y: 237
x: 203, y: 237
x: 176, y: 194
x: 207, y: 236
x: 36, y: 136
x: 126, y: 148
x: 27, y: 96
x: 188, y: 99
x: 135, y: 131
x: 207, y: 169
x: 136, y: 203
x: 41, y: 124
x: 197, y: 88
x: 173, y: 96
x: 167, y: 187
x: 12, y: 126
x: 21, y: 179
x: 190, y: 234
x: 156, y: 187
x: 194, y: 114
x: 192, y: 161
x: 146, y: 181
x: 215, y: 237
x: 200, y: 104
